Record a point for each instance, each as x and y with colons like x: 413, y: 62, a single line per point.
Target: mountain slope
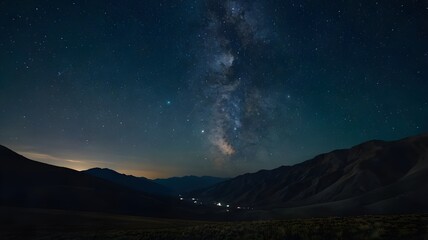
x: 376, y: 175
x: 27, y: 183
x: 189, y: 183
x: 136, y: 183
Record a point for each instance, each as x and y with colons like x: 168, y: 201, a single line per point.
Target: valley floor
x: 17, y: 223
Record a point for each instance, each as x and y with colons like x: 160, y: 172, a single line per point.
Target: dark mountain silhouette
x: 189, y: 183
x: 27, y: 183
x: 136, y: 183
x: 373, y: 177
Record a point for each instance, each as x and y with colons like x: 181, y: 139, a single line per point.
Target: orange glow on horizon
x: 84, y: 164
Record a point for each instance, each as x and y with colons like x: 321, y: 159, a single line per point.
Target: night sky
x: 161, y: 88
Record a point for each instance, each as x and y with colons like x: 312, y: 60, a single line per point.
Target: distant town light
x: 181, y: 199
x: 219, y: 204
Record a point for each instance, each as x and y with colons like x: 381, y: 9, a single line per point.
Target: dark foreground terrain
x: 18, y: 223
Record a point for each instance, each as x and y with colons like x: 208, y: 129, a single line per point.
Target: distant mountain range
x: 136, y: 183
x: 168, y: 186
x: 189, y: 183
x: 376, y: 177
x: 373, y: 177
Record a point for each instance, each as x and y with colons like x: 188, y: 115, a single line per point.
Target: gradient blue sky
x: 165, y: 88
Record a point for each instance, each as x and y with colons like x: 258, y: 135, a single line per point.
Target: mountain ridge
x: 28, y: 183
x: 334, y: 176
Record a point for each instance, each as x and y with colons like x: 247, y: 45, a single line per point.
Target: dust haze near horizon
x: 173, y: 88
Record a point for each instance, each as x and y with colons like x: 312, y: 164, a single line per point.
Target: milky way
x: 235, y: 44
